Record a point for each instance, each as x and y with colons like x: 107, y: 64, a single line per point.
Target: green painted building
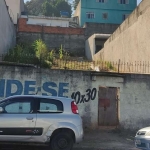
x: 104, y: 11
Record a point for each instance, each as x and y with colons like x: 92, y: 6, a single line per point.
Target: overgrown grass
x: 39, y: 55
x: 21, y: 54
x: 36, y: 54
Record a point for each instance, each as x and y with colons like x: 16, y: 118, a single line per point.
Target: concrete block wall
x: 133, y: 91
x: 7, y: 29
x: 75, y: 44
x: 72, y: 39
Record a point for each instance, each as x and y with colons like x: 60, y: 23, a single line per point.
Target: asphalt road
x: 94, y: 140
x: 44, y: 148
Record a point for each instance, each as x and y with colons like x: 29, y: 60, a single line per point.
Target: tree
x: 34, y: 7
x: 75, y: 4
x: 48, y: 7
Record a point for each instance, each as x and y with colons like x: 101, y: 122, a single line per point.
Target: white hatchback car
x: 40, y: 119
x: 142, y: 139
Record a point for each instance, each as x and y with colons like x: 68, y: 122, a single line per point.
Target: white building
x: 15, y: 8
x: 48, y: 21
x: 51, y: 21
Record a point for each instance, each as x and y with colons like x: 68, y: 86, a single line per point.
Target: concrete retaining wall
x: 7, y: 29
x: 130, y: 42
x: 133, y: 100
x: 99, y: 28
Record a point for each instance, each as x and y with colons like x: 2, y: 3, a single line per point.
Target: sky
x: 138, y: 1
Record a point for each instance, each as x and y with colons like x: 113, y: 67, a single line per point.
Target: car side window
x: 18, y: 105
x: 50, y: 106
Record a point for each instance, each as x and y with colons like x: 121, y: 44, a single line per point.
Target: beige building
x: 7, y: 30
x: 15, y: 7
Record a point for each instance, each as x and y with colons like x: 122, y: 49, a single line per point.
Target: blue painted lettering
x: 2, y: 87
x: 16, y: 87
x: 62, y: 89
x: 28, y: 89
x: 10, y: 84
x: 47, y: 88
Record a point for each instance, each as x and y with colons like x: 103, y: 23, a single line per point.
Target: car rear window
x: 50, y: 106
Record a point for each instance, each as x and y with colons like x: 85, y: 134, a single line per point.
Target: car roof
x: 39, y: 96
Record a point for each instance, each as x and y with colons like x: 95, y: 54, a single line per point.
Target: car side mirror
x: 1, y: 109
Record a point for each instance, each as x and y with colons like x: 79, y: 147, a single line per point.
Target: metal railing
x: 104, y: 66
x: 79, y: 64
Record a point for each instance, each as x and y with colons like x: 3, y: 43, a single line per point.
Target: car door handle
x: 29, y: 118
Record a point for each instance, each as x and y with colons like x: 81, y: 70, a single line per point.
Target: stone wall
x: 7, y: 29
x: 133, y: 105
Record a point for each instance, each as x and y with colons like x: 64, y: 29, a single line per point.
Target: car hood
x: 145, y: 129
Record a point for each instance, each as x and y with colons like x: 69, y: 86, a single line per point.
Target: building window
x: 90, y: 15
x: 101, y: 1
x: 123, y: 1
x: 125, y: 16
x: 105, y: 15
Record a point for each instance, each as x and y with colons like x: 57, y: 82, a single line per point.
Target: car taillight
x: 74, y: 107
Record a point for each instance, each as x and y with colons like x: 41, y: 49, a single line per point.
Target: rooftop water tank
x: 64, y: 14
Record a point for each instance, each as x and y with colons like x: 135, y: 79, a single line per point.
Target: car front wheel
x: 61, y: 141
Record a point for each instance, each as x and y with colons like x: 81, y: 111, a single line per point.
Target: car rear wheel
x: 61, y: 141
